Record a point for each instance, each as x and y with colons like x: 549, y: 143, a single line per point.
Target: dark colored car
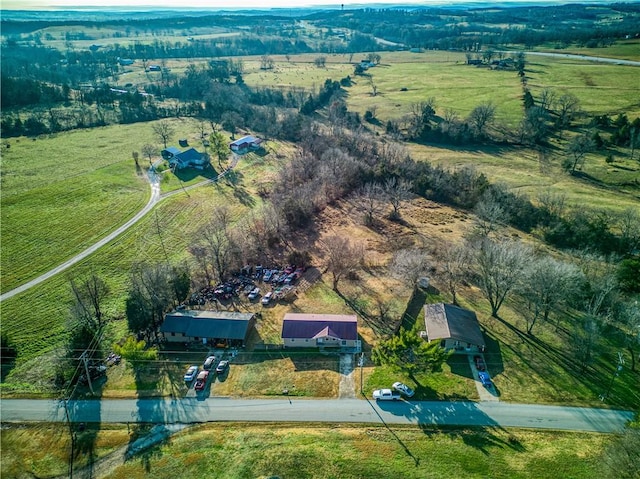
x: 479, y: 363
x: 222, y: 367
x: 485, y: 379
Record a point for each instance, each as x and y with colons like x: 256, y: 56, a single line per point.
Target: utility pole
x: 613, y: 378
x: 361, y: 364
x: 85, y: 362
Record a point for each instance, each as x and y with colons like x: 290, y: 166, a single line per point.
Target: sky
x: 234, y: 4
x: 74, y: 4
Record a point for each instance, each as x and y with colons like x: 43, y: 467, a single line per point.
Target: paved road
x: 572, y: 56
x: 194, y: 410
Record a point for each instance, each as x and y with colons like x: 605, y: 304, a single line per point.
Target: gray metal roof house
x: 455, y: 327
x: 210, y: 327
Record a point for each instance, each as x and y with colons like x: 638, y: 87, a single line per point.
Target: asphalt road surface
x: 195, y: 410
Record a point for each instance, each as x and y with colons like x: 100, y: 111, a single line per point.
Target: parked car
x: 255, y: 292
x: 266, y: 299
x: 267, y: 276
x: 222, y: 367
x: 403, y: 389
x: 479, y: 363
x: 386, y: 395
x: 201, y: 380
x: 485, y: 379
x: 191, y: 373
x: 209, y: 362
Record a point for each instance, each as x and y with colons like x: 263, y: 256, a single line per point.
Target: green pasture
x: 344, y: 451
x: 62, y: 193
x: 311, y: 451
x: 609, y: 186
x: 623, y: 49
x: 600, y: 87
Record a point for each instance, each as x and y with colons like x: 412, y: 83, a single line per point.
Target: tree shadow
x: 413, y: 309
x: 188, y: 174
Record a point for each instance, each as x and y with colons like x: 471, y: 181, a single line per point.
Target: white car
x: 191, y: 374
x: 403, y: 389
x: 386, y: 395
x: 255, y: 292
x: 266, y: 299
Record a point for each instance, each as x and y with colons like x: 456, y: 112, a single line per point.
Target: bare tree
x: 630, y: 319
x: 546, y: 283
x: 554, y: 203
x: 149, y: 151
x: 338, y: 172
x: 566, y: 106
x: 586, y: 339
x: 89, y: 295
x: 342, y: 257
x: 395, y: 192
x: 622, y: 455
x: 577, y: 150
x: 455, y: 264
x: 490, y: 215
x: 481, y: 116
x: 368, y: 201
x: 216, y: 237
x: 266, y: 62
x: 547, y: 99
x: 409, y: 265
x: 499, y: 267
x: 163, y: 131
x: 629, y: 226
x: 373, y: 86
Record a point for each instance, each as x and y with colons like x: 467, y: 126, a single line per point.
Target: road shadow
x: 454, y: 418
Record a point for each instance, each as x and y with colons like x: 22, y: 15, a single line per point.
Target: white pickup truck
x: 386, y: 395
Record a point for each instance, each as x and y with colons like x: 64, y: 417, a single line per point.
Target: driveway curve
x: 154, y: 181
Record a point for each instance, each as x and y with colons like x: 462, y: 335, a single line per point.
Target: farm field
x: 318, y: 451
x: 623, y: 49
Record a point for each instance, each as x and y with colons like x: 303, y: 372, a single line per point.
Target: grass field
x: 43, y: 450
x: 623, y: 49
x: 60, y: 194
x: 235, y: 451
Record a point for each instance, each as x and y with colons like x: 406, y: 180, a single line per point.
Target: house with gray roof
x: 217, y: 328
x: 190, y: 158
x: 302, y: 330
x: 456, y: 328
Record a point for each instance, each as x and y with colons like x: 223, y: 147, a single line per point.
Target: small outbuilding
x: 301, y: 330
x: 456, y: 328
x: 248, y: 142
x: 216, y: 328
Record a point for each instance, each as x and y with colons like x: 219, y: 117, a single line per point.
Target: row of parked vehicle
x: 244, y: 281
x: 396, y: 392
x: 211, y: 363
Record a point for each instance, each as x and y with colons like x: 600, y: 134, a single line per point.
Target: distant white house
x: 248, y: 142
